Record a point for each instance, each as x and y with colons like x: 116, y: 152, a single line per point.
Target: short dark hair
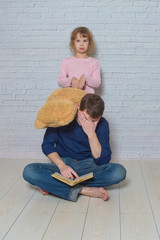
x: 93, y: 104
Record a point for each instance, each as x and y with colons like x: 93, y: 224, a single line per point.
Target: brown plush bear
x: 60, y: 108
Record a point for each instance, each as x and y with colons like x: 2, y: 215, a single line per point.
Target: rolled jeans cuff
x: 73, y: 195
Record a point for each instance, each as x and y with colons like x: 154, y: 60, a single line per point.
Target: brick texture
x: 34, y: 37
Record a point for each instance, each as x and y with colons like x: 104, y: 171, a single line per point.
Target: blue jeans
x: 39, y: 174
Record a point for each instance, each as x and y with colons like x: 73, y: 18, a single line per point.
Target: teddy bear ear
x: 59, y: 112
x: 39, y: 125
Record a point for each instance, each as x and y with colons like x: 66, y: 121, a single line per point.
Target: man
x: 77, y: 149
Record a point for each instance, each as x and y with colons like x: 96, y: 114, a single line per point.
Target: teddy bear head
x: 60, y: 108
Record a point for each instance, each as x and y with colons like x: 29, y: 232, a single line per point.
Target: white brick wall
x: 34, y: 37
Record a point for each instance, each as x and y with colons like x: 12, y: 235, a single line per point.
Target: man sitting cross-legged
x: 77, y: 149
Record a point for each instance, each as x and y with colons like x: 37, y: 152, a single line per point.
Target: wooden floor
x: 131, y: 213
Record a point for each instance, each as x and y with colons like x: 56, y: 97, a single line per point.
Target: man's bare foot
x: 97, y: 192
x: 44, y: 192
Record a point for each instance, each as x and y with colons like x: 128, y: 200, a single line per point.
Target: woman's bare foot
x: 44, y: 192
x: 97, y: 192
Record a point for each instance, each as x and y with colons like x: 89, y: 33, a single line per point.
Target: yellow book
x: 70, y: 181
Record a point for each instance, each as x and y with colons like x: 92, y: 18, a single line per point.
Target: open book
x: 70, y: 181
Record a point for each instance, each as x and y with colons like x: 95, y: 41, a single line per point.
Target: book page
x: 72, y: 182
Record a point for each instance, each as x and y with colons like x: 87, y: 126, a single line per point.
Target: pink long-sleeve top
x: 76, y: 67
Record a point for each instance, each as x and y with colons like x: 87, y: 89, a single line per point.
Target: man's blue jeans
x: 39, y: 174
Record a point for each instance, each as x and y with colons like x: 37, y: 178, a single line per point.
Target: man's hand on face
x: 68, y: 172
x: 89, y: 125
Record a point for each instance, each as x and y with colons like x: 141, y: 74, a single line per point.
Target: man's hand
x: 87, y: 124
x: 81, y: 82
x: 65, y: 170
x: 74, y: 83
x: 68, y: 172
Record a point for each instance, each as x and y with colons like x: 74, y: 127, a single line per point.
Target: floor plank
x: 65, y: 225
x: 103, y: 218
x: 138, y: 227
x: 151, y: 173
x: 12, y: 204
x: 68, y: 220
x: 132, y: 212
x: 35, y: 218
x: 10, y: 172
x: 133, y: 195
x: 80, y: 206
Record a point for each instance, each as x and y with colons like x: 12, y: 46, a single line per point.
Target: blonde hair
x: 85, y: 32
